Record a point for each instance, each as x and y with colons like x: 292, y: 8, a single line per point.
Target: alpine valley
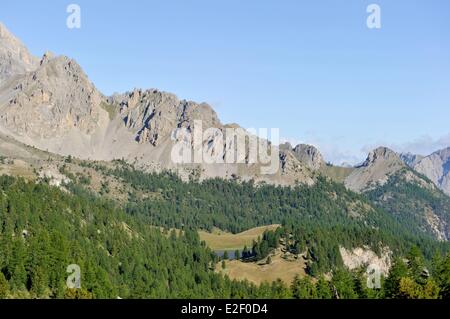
x: 87, y: 179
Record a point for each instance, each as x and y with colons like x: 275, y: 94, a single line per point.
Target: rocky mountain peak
x: 14, y: 56
x: 437, y: 168
x: 7, y: 36
x: 309, y: 155
x: 381, y: 163
x: 51, y: 100
x: 286, y: 146
x: 444, y: 154
x: 382, y: 154
x: 155, y: 114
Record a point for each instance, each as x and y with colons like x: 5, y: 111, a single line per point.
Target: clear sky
x: 311, y: 68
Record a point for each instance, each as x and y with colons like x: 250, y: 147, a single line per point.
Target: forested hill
x: 44, y: 230
x: 327, y: 212
x: 425, y: 209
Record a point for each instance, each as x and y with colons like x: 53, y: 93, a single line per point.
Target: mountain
x: 375, y: 171
x: 398, y: 189
x: 53, y: 106
x: 97, y: 174
x: 415, y: 201
x: 411, y: 159
x: 45, y: 106
x: 14, y: 56
x: 309, y: 155
x: 437, y: 168
x: 120, y: 256
x: 123, y: 255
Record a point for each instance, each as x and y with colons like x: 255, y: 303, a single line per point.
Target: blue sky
x: 311, y: 68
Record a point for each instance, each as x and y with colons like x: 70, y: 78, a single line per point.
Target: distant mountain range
x: 437, y: 168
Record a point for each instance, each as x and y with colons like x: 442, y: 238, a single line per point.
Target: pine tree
x: 398, y: 271
x: 39, y: 282
x: 225, y: 255
x: 323, y: 289
x: 416, y: 263
x: 245, y: 253
x: 303, y: 288
x: 443, y: 277
x: 344, y: 284
x: 237, y: 254
x: 4, y: 287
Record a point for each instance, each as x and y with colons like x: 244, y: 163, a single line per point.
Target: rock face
x: 437, y: 168
x: 51, y: 104
x: 411, y: 159
x: 379, y: 165
x: 306, y: 154
x: 364, y: 257
x: 51, y: 101
x: 156, y: 114
x: 437, y: 224
x: 14, y: 56
x: 309, y: 155
x: 427, y: 211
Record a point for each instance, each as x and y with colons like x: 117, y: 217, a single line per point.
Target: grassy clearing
x: 18, y: 168
x: 257, y: 274
x: 219, y: 240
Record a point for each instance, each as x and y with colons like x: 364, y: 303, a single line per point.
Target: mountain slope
x: 423, y: 208
x: 408, y: 195
x: 307, y: 154
x: 44, y: 230
x: 14, y: 56
x: 51, y: 102
x: 53, y: 106
x: 411, y: 159
x: 437, y: 168
x: 379, y: 164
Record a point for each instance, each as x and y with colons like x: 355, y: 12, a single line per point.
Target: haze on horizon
x: 312, y: 69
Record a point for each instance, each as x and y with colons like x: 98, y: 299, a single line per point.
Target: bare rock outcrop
x: 364, y: 257
x: 437, y: 168
x: 154, y: 114
x: 14, y: 56
x: 50, y: 101
x: 379, y: 165
x: 411, y: 159
x: 308, y: 155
